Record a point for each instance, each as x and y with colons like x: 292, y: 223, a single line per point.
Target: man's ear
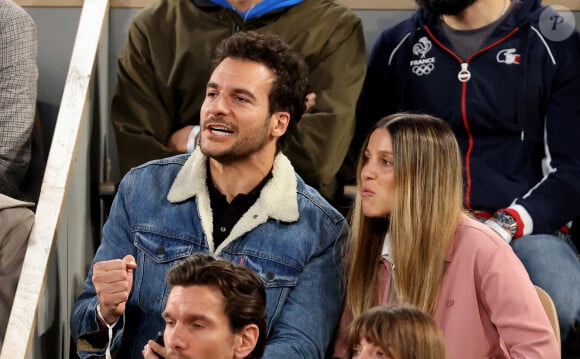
x: 280, y: 121
x: 245, y: 341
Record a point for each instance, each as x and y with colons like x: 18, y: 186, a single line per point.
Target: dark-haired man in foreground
x: 215, y: 310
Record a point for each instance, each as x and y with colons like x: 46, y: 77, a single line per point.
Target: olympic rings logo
x: 423, y: 69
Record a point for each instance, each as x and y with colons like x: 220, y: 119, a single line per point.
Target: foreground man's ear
x: 245, y: 341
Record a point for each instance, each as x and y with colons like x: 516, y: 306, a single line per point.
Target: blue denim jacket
x: 291, y: 237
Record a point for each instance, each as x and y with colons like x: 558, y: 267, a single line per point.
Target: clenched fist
x: 113, y: 281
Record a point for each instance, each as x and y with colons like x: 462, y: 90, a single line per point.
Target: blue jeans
x: 553, y: 265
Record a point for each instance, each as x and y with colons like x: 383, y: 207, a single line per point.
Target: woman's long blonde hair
x: 427, y: 203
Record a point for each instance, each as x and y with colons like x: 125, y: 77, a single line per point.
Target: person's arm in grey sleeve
x: 18, y: 82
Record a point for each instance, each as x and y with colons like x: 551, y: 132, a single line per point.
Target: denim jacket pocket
x: 279, y: 278
x: 157, y: 252
x: 162, y: 247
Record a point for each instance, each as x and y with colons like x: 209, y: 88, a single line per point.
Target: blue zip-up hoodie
x: 512, y: 104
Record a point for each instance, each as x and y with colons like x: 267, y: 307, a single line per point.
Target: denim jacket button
x: 270, y: 276
x: 160, y: 250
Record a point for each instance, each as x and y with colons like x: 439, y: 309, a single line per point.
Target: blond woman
x: 412, y: 242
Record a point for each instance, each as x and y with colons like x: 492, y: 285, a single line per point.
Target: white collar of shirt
x: 387, y: 248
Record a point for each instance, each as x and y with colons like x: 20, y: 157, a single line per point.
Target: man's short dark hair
x: 288, y: 92
x: 243, y: 291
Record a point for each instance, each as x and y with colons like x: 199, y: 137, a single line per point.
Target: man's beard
x: 253, y: 142
x: 445, y: 7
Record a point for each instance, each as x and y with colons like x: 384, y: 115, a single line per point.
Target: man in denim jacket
x: 235, y: 196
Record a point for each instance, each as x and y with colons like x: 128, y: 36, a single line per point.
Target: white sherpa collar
x: 278, y: 199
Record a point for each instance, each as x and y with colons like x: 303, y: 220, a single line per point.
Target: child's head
x: 398, y: 332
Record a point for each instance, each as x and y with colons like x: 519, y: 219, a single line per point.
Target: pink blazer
x: 487, y: 307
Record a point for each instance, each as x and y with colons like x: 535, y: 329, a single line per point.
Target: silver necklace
x: 247, y: 12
